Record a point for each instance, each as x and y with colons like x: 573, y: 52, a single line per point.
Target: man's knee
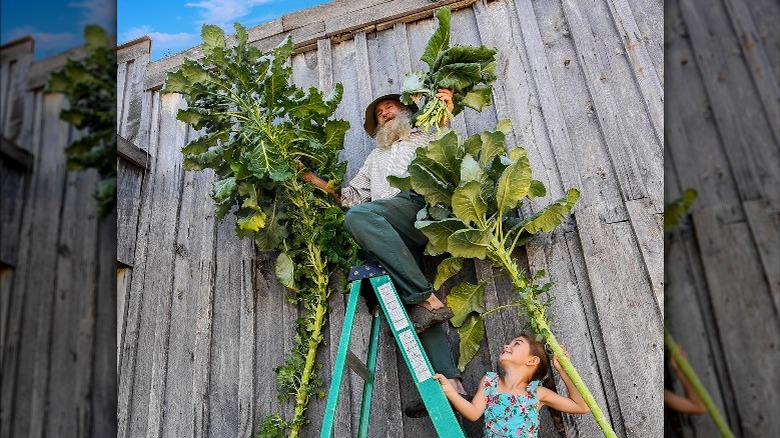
x: 356, y: 218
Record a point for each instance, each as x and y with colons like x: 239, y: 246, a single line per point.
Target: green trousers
x: 385, y: 230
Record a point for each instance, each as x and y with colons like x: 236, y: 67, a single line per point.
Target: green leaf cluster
x: 257, y: 128
x: 468, y: 70
x: 472, y: 189
x: 89, y: 85
x: 678, y: 209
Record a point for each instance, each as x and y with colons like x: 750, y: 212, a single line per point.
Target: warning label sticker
x: 413, y: 352
x: 394, y: 308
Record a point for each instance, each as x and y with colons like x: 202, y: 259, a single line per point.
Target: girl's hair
x: 542, y: 372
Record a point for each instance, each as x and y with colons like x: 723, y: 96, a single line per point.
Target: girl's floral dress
x: 508, y: 415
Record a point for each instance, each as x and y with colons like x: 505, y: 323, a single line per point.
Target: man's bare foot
x: 432, y: 302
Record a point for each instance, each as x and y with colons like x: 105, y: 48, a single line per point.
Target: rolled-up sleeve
x: 358, y: 190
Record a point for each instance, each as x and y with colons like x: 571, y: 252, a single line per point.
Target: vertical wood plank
x: 128, y: 196
x: 756, y: 59
x: 765, y: 231
x: 270, y: 340
x: 73, y: 313
x: 225, y: 337
x: 104, y: 368
x: 13, y: 185
x: 246, y: 352
x: 624, y: 302
x: 136, y: 333
x: 193, y: 270
x: 647, y: 224
x: 720, y: 244
x: 642, y: 67
x: 164, y: 254
x: 15, y: 349
x: 41, y: 286
x: 687, y: 318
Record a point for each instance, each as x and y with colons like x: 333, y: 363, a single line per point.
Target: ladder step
x: 357, y: 365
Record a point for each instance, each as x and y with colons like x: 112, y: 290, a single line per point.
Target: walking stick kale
x: 256, y: 126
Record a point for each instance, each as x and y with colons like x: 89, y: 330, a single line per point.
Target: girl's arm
x: 470, y: 410
x: 691, y: 403
x: 574, y: 403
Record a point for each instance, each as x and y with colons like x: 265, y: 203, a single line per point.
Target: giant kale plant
x: 471, y: 188
x: 256, y: 126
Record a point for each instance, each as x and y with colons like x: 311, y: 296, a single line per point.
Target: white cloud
x: 168, y: 42
x: 98, y: 12
x: 224, y: 12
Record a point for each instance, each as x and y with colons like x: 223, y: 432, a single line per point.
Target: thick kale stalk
x: 468, y: 71
x: 701, y: 391
x: 472, y: 187
x: 256, y: 126
x: 89, y: 84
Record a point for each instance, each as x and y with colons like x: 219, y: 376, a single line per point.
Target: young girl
x: 512, y: 399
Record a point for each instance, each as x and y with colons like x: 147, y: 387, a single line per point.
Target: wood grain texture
x: 193, y: 273
x: 59, y: 308
x: 579, y: 131
x: 723, y: 263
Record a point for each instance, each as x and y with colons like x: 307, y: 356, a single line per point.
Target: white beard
x: 398, y: 128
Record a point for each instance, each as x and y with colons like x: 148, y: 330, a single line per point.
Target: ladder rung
x: 357, y: 365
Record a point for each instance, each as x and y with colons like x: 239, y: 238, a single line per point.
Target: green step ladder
x: 439, y: 409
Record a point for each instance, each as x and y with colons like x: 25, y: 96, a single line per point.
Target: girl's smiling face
x: 517, y: 350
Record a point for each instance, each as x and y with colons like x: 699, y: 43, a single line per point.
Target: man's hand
x: 311, y: 178
x: 445, y: 95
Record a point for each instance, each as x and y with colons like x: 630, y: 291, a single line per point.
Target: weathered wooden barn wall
x: 723, y: 264
x: 202, y: 320
x: 57, y: 267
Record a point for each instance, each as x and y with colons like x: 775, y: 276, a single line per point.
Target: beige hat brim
x: 369, y: 123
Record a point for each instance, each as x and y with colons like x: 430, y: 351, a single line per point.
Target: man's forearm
x: 321, y: 183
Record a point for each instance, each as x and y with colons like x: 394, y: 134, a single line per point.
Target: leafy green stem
x: 496, y: 309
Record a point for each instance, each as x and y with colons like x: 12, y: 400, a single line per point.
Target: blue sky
x: 56, y: 26
x: 175, y: 25
x: 172, y: 25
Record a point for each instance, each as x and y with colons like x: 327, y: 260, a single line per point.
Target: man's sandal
x: 424, y: 318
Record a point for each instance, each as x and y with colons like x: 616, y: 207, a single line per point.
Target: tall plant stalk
x: 701, y: 391
x: 257, y: 129
x: 541, y: 326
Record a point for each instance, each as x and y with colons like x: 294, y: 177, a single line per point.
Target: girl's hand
x: 445, y: 384
x: 673, y: 363
x: 555, y: 358
x: 445, y: 95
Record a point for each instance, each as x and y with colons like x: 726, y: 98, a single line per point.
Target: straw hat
x: 370, y: 120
